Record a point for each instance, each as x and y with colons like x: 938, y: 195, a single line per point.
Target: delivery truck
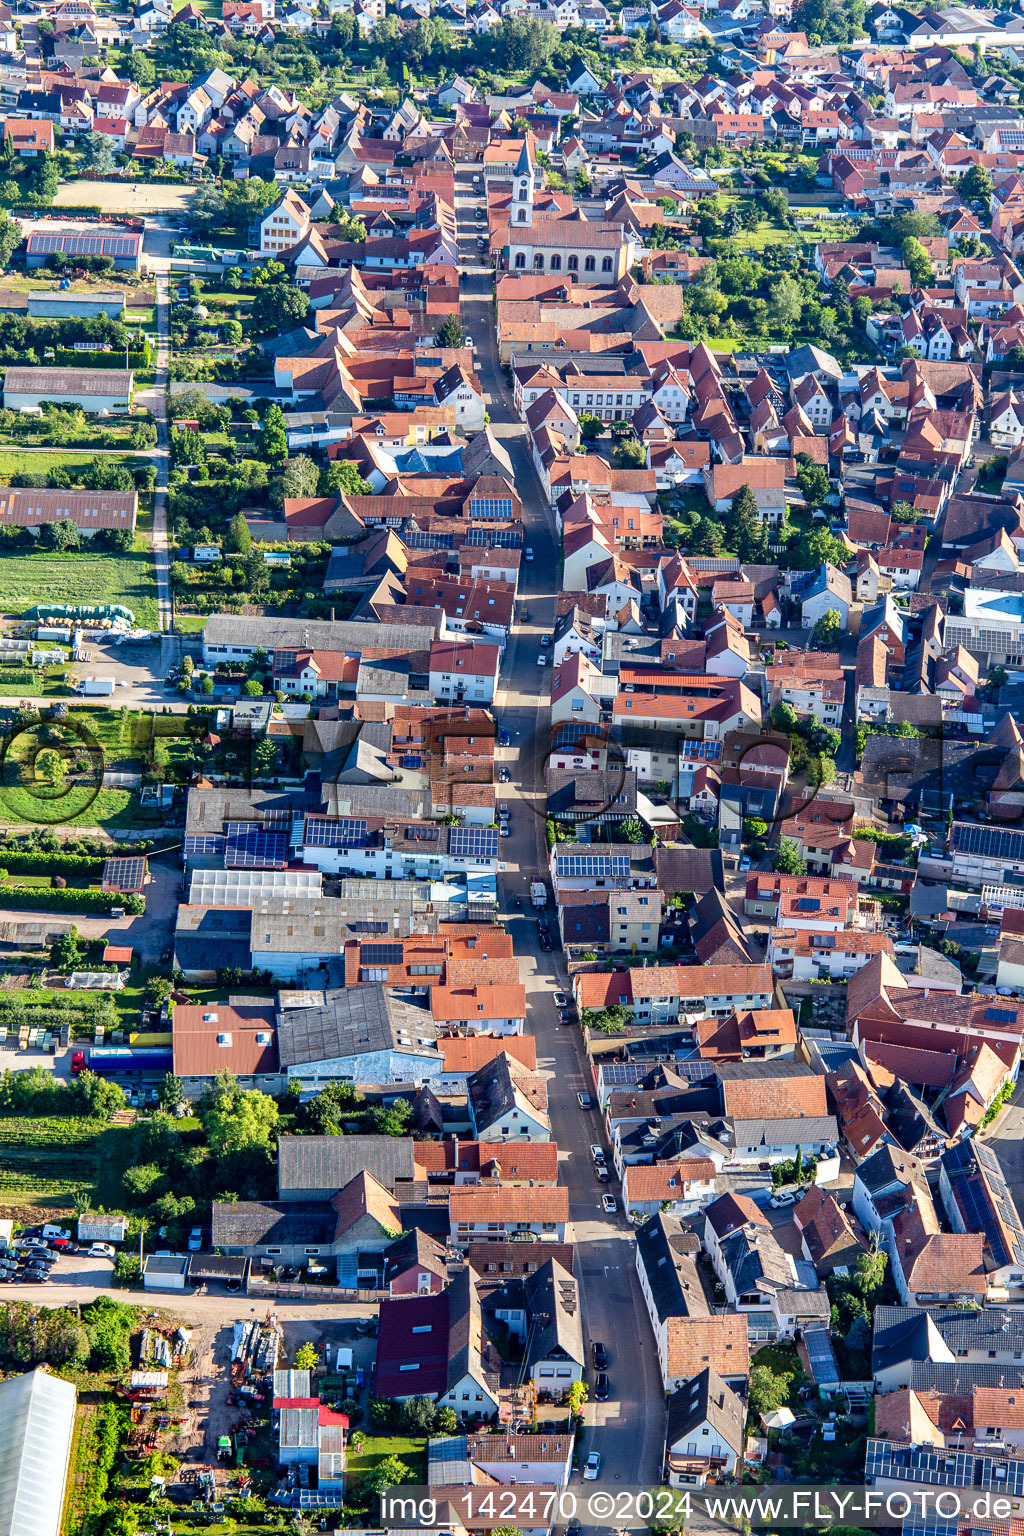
x: 96, y: 687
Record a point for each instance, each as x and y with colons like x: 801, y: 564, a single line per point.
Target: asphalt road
x: 628, y: 1430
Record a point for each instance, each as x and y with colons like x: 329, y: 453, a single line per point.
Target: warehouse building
x: 96, y: 390
x: 123, y: 247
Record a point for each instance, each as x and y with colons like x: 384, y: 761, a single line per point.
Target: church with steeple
x: 546, y: 233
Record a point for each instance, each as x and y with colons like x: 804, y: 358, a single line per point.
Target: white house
x: 285, y: 224
x: 463, y: 672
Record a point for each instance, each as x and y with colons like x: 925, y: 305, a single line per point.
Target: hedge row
x: 35, y: 898
x: 50, y: 863
x: 67, y: 357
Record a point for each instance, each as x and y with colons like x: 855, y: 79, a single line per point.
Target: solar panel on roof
x: 989, y: 842
x: 248, y: 845
x: 335, y: 832
x: 473, y: 842
x: 497, y: 538
x: 204, y: 842
x: 423, y: 834
x: 381, y: 954
x: 411, y: 760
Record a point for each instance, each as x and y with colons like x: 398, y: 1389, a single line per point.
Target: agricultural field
x: 27, y: 578
x: 45, y: 1162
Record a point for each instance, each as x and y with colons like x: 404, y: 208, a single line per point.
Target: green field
x: 14, y: 462
x: 115, y: 809
x: 42, y: 576
x: 45, y: 1162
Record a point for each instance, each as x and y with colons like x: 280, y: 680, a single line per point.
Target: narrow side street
x: 613, y: 1308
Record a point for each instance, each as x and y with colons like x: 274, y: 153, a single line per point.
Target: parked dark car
x: 602, y: 1388
x: 600, y: 1354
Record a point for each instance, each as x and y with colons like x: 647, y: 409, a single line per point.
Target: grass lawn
x: 42, y: 576
x: 114, y: 809
x: 14, y: 463
x: 189, y: 623
x: 376, y: 1447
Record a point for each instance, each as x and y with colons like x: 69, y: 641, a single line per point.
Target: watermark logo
x: 51, y: 771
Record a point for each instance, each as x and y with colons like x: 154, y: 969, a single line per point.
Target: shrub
x: 32, y: 898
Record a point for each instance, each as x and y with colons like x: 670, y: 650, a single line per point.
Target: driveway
x: 150, y: 933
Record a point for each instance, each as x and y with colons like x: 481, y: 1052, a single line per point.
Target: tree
x: 236, y: 1119
x: 172, y: 1094
x: 871, y: 1271
x: 246, y: 201
x: 784, y: 718
x: 207, y: 211
x: 252, y: 689
x: 187, y: 447
x: 65, y: 952
x: 975, y: 185
x: 97, y: 151
x: 49, y: 767
x: 272, y: 439
x: 391, y: 1470
x: 785, y: 304
x: 997, y: 678
x: 300, y: 476
x: 522, y: 43
x: 139, y: 67
x: 706, y: 537
x: 744, y: 523
x: 826, y: 632
x: 10, y: 238
x: 633, y: 830
x: 62, y: 536
x: 238, y: 539
x: 342, y: 477
x: 768, y: 1389
x: 787, y: 859
x: 915, y: 259
x: 265, y: 754
x: 346, y: 227
x: 450, y: 332
x: 306, y: 1357
x: 775, y: 203
x: 816, y: 547
x: 812, y: 479
x: 576, y: 1396
x: 904, y: 511
x: 322, y: 1114
x: 141, y: 1181
x: 830, y: 21
x: 279, y: 307
x: 630, y: 453
x: 46, y: 176
x: 590, y: 426
x: 392, y: 1119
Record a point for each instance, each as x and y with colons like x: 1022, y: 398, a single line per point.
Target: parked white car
x: 101, y: 1251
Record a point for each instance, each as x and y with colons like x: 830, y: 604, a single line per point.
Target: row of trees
x: 38, y: 1092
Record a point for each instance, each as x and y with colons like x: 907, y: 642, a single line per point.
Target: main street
x: 627, y: 1430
